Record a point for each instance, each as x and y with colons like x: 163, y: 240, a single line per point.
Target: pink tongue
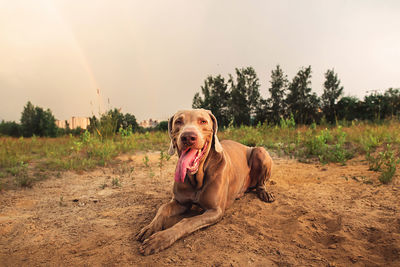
x: 183, y: 163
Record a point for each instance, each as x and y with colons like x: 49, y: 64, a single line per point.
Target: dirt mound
x: 324, y: 215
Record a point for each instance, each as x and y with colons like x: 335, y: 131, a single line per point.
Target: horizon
x: 149, y: 59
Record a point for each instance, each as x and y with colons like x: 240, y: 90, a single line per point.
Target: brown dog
x: 209, y: 174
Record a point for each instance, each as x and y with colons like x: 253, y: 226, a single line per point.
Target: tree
x: 348, y: 108
x: 67, y: 128
x: 392, y: 97
x: 277, y: 90
x: 36, y: 121
x: 130, y: 120
x: 162, y: 126
x: 10, y: 128
x: 110, y: 123
x: 115, y: 116
x: 374, y: 107
x: 332, y: 92
x: 215, y: 97
x: 28, y: 120
x: 262, y: 111
x: 245, y: 96
x: 93, y: 123
x: 300, y: 101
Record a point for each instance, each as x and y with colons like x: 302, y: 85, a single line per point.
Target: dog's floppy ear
x: 217, y: 144
x: 171, y: 150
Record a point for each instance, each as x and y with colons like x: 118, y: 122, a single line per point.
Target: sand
x: 324, y: 215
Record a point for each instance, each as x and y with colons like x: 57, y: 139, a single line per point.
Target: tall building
x: 74, y: 123
x: 148, y: 123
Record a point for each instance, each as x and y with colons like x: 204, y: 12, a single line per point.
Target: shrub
x: 385, y: 162
x: 287, y: 123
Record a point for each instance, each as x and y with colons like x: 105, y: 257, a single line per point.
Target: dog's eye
x: 178, y: 122
x: 203, y: 122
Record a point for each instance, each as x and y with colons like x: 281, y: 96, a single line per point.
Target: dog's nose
x: 189, y: 138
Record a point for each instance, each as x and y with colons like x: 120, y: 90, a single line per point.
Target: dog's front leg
x: 166, y: 238
x: 164, y: 212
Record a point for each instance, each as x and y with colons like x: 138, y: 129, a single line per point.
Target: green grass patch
x: 20, y: 157
x: 26, y: 160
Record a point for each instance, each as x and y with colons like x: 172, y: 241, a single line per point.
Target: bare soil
x: 324, y: 215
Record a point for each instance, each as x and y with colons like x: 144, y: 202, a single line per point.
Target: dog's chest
x: 188, y: 195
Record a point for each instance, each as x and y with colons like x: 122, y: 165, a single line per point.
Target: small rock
x: 353, y: 259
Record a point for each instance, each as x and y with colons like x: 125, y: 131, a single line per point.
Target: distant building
x: 74, y: 123
x: 148, y: 123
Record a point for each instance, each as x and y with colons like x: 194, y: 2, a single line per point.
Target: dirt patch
x: 324, y: 215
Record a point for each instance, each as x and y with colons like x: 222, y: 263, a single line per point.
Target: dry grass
x: 25, y: 160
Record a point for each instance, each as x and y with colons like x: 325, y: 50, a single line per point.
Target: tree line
x: 237, y: 101
x: 35, y: 121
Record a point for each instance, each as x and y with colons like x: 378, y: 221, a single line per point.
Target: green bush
x: 287, y: 123
x: 385, y: 162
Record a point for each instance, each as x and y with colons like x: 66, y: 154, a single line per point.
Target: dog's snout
x: 189, y: 138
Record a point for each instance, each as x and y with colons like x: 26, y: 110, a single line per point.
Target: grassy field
x: 26, y: 160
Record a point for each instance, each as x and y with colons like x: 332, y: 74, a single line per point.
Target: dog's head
x: 193, y: 133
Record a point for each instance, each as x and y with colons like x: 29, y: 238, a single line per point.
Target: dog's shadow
x: 194, y: 211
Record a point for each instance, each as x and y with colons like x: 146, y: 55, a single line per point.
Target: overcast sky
x: 150, y: 57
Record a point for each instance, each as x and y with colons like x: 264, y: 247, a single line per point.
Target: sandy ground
x: 324, y: 215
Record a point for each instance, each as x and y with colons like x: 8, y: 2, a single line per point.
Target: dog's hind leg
x: 260, y: 163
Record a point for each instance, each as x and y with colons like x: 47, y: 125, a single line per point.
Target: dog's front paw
x: 148, y: 231
x: 157, y: 242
